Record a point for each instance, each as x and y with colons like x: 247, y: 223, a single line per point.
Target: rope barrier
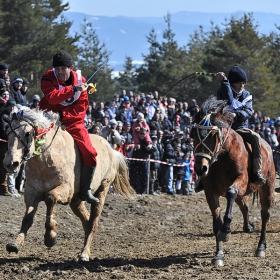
x: 154, y: 160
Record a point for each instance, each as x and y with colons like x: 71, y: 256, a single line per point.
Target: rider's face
x: 238, y: 87
x: 63, y: 73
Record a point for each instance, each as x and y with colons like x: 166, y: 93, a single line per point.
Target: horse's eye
x: 27, y: 134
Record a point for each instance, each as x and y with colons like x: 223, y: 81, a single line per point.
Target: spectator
x: 171, y: 109
x: 186, y: 182
x: 154, y: 166
x: 139, y: 123
x: 178, y: 171
x: 110, y: 133
x: 139, y: 169
x: 16, y: 92
x: 169, y: 156
x: 35, y: 102
x: 3, y: 75
x: 23, y: 91
x: 128, y: 145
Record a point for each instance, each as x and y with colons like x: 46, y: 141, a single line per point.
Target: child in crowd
x: 186, y: 183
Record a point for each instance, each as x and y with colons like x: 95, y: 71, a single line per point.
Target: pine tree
x: 127, y: 79
x: 31, y: 33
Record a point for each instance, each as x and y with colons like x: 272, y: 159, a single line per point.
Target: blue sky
x: 159, y: 8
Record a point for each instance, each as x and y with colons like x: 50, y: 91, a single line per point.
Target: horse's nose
x: 11, y: 166
x: 202, y: 170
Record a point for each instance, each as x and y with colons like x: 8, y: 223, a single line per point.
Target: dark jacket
x: 156, y: 156
x: 169, y: 153
x: 240, y: 103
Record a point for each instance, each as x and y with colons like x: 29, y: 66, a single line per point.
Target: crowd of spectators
x: 153, y: 132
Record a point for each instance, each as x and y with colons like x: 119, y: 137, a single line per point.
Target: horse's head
x: 26, y: 130
x: 207, y: 132
x: 20, y: 142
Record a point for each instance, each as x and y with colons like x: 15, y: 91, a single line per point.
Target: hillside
x: 126, y: 36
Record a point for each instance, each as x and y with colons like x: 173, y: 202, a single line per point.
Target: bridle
x: 33, y: 135
x: 205, y: 124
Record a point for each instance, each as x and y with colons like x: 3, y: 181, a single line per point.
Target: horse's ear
x: 15, y: 117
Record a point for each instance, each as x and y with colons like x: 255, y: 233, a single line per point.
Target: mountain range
x: 126, y: 36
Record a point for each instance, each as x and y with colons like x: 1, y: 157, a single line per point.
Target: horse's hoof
x: 83, y: 259
x: 217, y: 262
x: 260, y: 253
x: 12, y: 247
x: 250, y: 228
x: 50, y: 242
x: 223, y: 236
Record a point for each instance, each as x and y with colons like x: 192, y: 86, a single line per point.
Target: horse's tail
x: 121, y: 184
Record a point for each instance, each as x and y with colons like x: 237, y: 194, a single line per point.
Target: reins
x: 205, y: 124
x: 35, y: 135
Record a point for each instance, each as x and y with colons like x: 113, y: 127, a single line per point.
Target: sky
x: 159, y: 8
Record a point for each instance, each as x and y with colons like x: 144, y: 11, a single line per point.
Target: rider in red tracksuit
x: 66, y: 93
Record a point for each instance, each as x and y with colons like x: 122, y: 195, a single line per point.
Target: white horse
x: 53, y: 173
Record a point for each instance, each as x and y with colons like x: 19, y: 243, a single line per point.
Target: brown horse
x: 53, y: 174
x: 224, y: 164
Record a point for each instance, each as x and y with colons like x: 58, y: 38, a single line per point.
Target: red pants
x: 81, y: 138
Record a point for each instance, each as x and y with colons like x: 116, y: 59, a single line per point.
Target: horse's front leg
x: 248, y: 226
x: 225, y: 232
x: 27, y: 221
x: 214, y: 205
x: 92, y: 224
x: 60, y: 194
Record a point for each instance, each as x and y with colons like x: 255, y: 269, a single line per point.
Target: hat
x: 143, y: 98
x: 140, y: 116
x: 142, y: 94
x: 153, y: 137
x: 153, y: 127
x: 16, y: 80
x: 125, y: 98
x: 11, y: 102
x: 62, y: 58
x: 181, y: 132
x: 113, y: 122
x: 3, y: 66
x: 127, y: 122
x: 237, y: 74
x: 267, y: 129
x: 252, y: 126
x: 25, y: 83
x: 35, y: 98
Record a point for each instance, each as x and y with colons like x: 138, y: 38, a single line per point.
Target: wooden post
x: 148, y: 174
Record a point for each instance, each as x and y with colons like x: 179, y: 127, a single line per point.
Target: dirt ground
x: 148, y: 237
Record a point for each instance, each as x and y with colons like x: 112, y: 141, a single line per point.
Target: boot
x: 258, y: 178
x: 4, y: 190
x: 198, y: 186
x: 152, y: 188
x: 85, y: 190
x: 257, y: 172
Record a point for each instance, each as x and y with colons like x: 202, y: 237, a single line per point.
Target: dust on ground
x: 147, y: 237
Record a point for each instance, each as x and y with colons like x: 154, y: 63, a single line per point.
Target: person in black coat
x: 169, y: 157
x: 154, y: 166
x: 139, y: 167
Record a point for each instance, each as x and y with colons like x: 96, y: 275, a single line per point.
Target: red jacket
x: 72, y: 107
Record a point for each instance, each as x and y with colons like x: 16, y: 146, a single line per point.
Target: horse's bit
x: 31, y: 137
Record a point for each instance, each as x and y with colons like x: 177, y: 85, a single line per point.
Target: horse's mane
x: 35, y: 116
x: 217, y: 109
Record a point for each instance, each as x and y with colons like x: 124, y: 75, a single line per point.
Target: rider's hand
x: 221, y: 76
x: 81, y: 87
